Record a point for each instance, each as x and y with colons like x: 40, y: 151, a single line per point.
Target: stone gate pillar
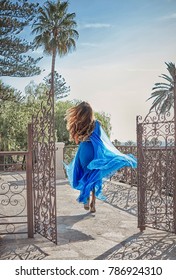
x: 60, y: 174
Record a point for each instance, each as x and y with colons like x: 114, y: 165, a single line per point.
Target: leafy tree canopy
x: 8, y: 93
x: 16, y: 112
x: 35, y: 91
x: 14, y: 61
x: 55, y: 31
x: 55, y: 28
x: 117, y: 142
x: 61, y: 89
x: 13, y: 119
x: 130, y: 143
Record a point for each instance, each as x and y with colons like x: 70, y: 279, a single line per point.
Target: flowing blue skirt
x: 96, y: 160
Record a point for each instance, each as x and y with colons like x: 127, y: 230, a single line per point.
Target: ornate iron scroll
x: 156, y: 171
x: 13, y: 195
x: 44, y: 177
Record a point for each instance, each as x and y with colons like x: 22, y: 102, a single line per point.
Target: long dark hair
x: 80, y: 122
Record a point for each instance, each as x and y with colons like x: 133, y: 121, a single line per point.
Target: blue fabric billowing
x: 96, y: 160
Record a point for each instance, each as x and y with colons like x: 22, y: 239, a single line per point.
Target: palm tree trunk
x: 52, y: 92
x: 52, y: 72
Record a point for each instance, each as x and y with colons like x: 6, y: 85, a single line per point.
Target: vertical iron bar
x: 29, y: 184
x: 131, y: 169
x: 175, y: 152
x: 140, y: 186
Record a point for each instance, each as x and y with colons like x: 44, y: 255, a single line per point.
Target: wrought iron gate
x: 156, y: 171
x: 44, y: 173
x: 16, y: 203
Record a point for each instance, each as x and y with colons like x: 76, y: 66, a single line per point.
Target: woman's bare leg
x: 92, y: 204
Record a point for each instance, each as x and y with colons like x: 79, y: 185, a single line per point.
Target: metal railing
x: 16, y: 209
x: 156, y: 171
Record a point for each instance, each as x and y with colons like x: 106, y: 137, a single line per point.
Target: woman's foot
x: 86, y: 205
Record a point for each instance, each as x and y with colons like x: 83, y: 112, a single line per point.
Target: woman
x: 96, y: 158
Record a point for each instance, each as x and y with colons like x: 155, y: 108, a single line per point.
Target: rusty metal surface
x: 44, y: 174
x: 13, y: 195
x: 156, y: 171
x: 16, y: 198
x: 29, y: 185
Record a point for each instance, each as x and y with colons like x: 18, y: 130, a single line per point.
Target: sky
x: 121, y: 52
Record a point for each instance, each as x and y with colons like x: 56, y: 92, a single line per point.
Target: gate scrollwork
x: 44, y: 177
x: 156, y: 171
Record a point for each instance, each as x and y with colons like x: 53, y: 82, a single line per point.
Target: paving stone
x: 110, y: 233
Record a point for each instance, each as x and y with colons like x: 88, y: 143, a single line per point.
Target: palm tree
x: 130, y: 143
x: 55, y: 30
x: 163, y: 93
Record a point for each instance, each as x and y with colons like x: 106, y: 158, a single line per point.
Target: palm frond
x: 161, y: 87
x: 53, y: 18
x: 159, y: 93
x: 166, y: 77
x: 166, y: 105
x: 163, y: 84
x: 163, y: 93
x: 171, y: 69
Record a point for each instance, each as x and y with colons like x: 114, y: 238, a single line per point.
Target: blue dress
x: 96, y: 160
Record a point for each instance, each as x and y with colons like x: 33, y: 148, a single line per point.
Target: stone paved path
x: 111, y: 233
